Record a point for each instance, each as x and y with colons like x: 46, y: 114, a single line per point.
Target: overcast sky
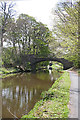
x: 40, y: 9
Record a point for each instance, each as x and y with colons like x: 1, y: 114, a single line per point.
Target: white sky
x: 40, y: 9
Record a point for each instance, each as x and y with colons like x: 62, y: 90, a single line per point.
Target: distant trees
x: 65, y: 31
x: 32, y: 35
x: 25, y: 36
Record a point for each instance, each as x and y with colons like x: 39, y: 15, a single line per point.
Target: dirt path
x: 74, y: 92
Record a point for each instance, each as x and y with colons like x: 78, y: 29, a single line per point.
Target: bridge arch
x: 66, y: 64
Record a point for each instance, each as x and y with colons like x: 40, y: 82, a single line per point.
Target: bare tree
x: 6, y: 14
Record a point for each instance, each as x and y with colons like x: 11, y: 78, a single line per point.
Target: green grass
x: 6, y: 72
x: 57, y: 66
x: 54, y: 102
x: 79, y: 72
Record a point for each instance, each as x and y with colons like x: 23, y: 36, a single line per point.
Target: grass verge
x: 7, y: 72
x: 79, y: 72
x: 54, y: 102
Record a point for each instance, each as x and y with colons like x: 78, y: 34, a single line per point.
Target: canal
x: 22, y: 91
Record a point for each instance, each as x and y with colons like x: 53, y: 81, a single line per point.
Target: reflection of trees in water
x: 21, y: 92
x: 19, y: 98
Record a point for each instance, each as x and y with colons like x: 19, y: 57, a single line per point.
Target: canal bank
x: 54, y: 102
x: 6, y: 72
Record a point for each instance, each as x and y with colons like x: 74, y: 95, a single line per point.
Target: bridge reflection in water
x: 21, y: 92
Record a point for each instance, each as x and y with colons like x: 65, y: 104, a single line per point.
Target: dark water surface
x: 22, y: 91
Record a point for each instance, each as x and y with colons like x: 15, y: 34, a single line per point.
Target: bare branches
x: 6, y: 14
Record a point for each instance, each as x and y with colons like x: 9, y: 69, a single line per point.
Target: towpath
x: 74, y: 103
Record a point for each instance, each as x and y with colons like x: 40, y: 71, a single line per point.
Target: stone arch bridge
x: 34, y: 60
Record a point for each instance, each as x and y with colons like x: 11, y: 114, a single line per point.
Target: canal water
x: 22, y: 91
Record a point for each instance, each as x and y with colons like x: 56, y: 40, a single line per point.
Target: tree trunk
x: 1, y: 41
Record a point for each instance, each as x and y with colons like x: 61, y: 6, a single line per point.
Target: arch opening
x: 66, y: 64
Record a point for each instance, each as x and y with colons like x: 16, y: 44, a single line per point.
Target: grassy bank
x: 7, y: 72
x: 79, y: 72
x: 54, y: 102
